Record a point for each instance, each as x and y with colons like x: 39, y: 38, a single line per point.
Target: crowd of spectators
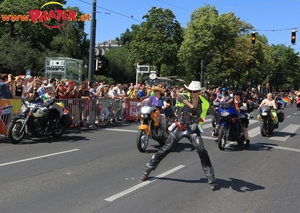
x: 29, y: 87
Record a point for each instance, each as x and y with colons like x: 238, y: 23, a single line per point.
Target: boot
x: 247, y: 142
x: 146, y: 173
x: 209, y: 173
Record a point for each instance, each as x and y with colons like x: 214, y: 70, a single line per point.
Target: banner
x: 131, y: 109
x: 8, y: 107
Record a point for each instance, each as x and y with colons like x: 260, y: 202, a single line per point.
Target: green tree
x: 36, y: 40
x: 158, y: 39
x: 119, y: 67
x: 286, y: 70
x: 17, y: 56
x: 210, y: 37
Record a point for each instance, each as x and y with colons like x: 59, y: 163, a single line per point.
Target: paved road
x: 99, y: 171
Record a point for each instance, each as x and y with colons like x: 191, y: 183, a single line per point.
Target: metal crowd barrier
x: 87, y: 111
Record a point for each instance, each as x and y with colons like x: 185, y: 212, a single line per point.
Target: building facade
x: 104, y: 46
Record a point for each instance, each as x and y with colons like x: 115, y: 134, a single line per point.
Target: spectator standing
x: 5, y: 92
x: 141, y: 92
x: 84, y: 94
x: 73, y: 105
x: 18, y: 89
x: 61, y: 92
x: 132, y: 93
x: 71, y: 91
x: 93, y: 91
x: 103, y: 96
x: 114, y: 93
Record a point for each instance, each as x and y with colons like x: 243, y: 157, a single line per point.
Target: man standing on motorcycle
x: 158, y: 101
x: 199, y: 107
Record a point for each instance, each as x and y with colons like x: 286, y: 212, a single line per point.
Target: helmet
x: 224, y: 89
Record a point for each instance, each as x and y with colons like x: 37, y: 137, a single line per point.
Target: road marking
x: 38, y: 157
x: 127, y: 191
x: 278, y: 147
x: 254, y: 132
x: 287, y: 131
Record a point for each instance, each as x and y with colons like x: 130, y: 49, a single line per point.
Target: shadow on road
x: 233, y: 183
x: 257, y: 146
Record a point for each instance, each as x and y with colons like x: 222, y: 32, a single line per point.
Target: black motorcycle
x: 29, y: 121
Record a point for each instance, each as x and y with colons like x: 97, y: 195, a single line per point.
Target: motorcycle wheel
x: 13, y: 133
x: 142, y: 141
x: 222, y: 138
x: 263, y: 130
x: 213, y: 122
x: 57, y: 133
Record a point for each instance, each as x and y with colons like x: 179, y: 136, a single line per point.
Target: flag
x: 284, y: 101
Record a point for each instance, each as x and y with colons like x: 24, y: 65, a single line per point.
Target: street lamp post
x: 92, y: 43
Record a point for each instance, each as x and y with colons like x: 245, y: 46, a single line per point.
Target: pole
x: 92, y: 44
x: 202, y: 73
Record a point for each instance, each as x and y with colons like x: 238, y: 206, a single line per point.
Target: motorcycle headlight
x: 23, y: 108
x: 224, y: 114
x: 264, y: 114
x: 144, y: 115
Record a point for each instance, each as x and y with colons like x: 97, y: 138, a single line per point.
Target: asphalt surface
x: 99, y: 170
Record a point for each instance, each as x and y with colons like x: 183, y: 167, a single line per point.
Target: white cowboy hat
x: 195, y: 86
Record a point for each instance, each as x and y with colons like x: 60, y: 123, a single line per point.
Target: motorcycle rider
x: 158, y: 101
x: 199, y: 107
x: 269, y: 101
x: 54, y: 111
x: 224, y: 96
x: 238, y: 102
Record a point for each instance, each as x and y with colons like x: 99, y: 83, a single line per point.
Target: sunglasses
x: 156, y: 91
x: 194, y: 91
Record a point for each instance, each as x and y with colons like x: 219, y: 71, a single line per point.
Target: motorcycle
x: 267, y: 121
x: 149, y: 128
x: 230, y: 127
x: 28, y: 121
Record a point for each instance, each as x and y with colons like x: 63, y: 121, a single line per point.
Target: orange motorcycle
x: 149, y: 128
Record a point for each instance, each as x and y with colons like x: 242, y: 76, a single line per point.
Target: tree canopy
x: 25, y: 44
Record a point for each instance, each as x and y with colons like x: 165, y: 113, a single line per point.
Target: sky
x: 273, y: 18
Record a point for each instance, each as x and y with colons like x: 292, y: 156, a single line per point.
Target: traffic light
x: 101, y: 64
x: 253, y: 38
x: 98, y: 62
x: 293, y: 39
